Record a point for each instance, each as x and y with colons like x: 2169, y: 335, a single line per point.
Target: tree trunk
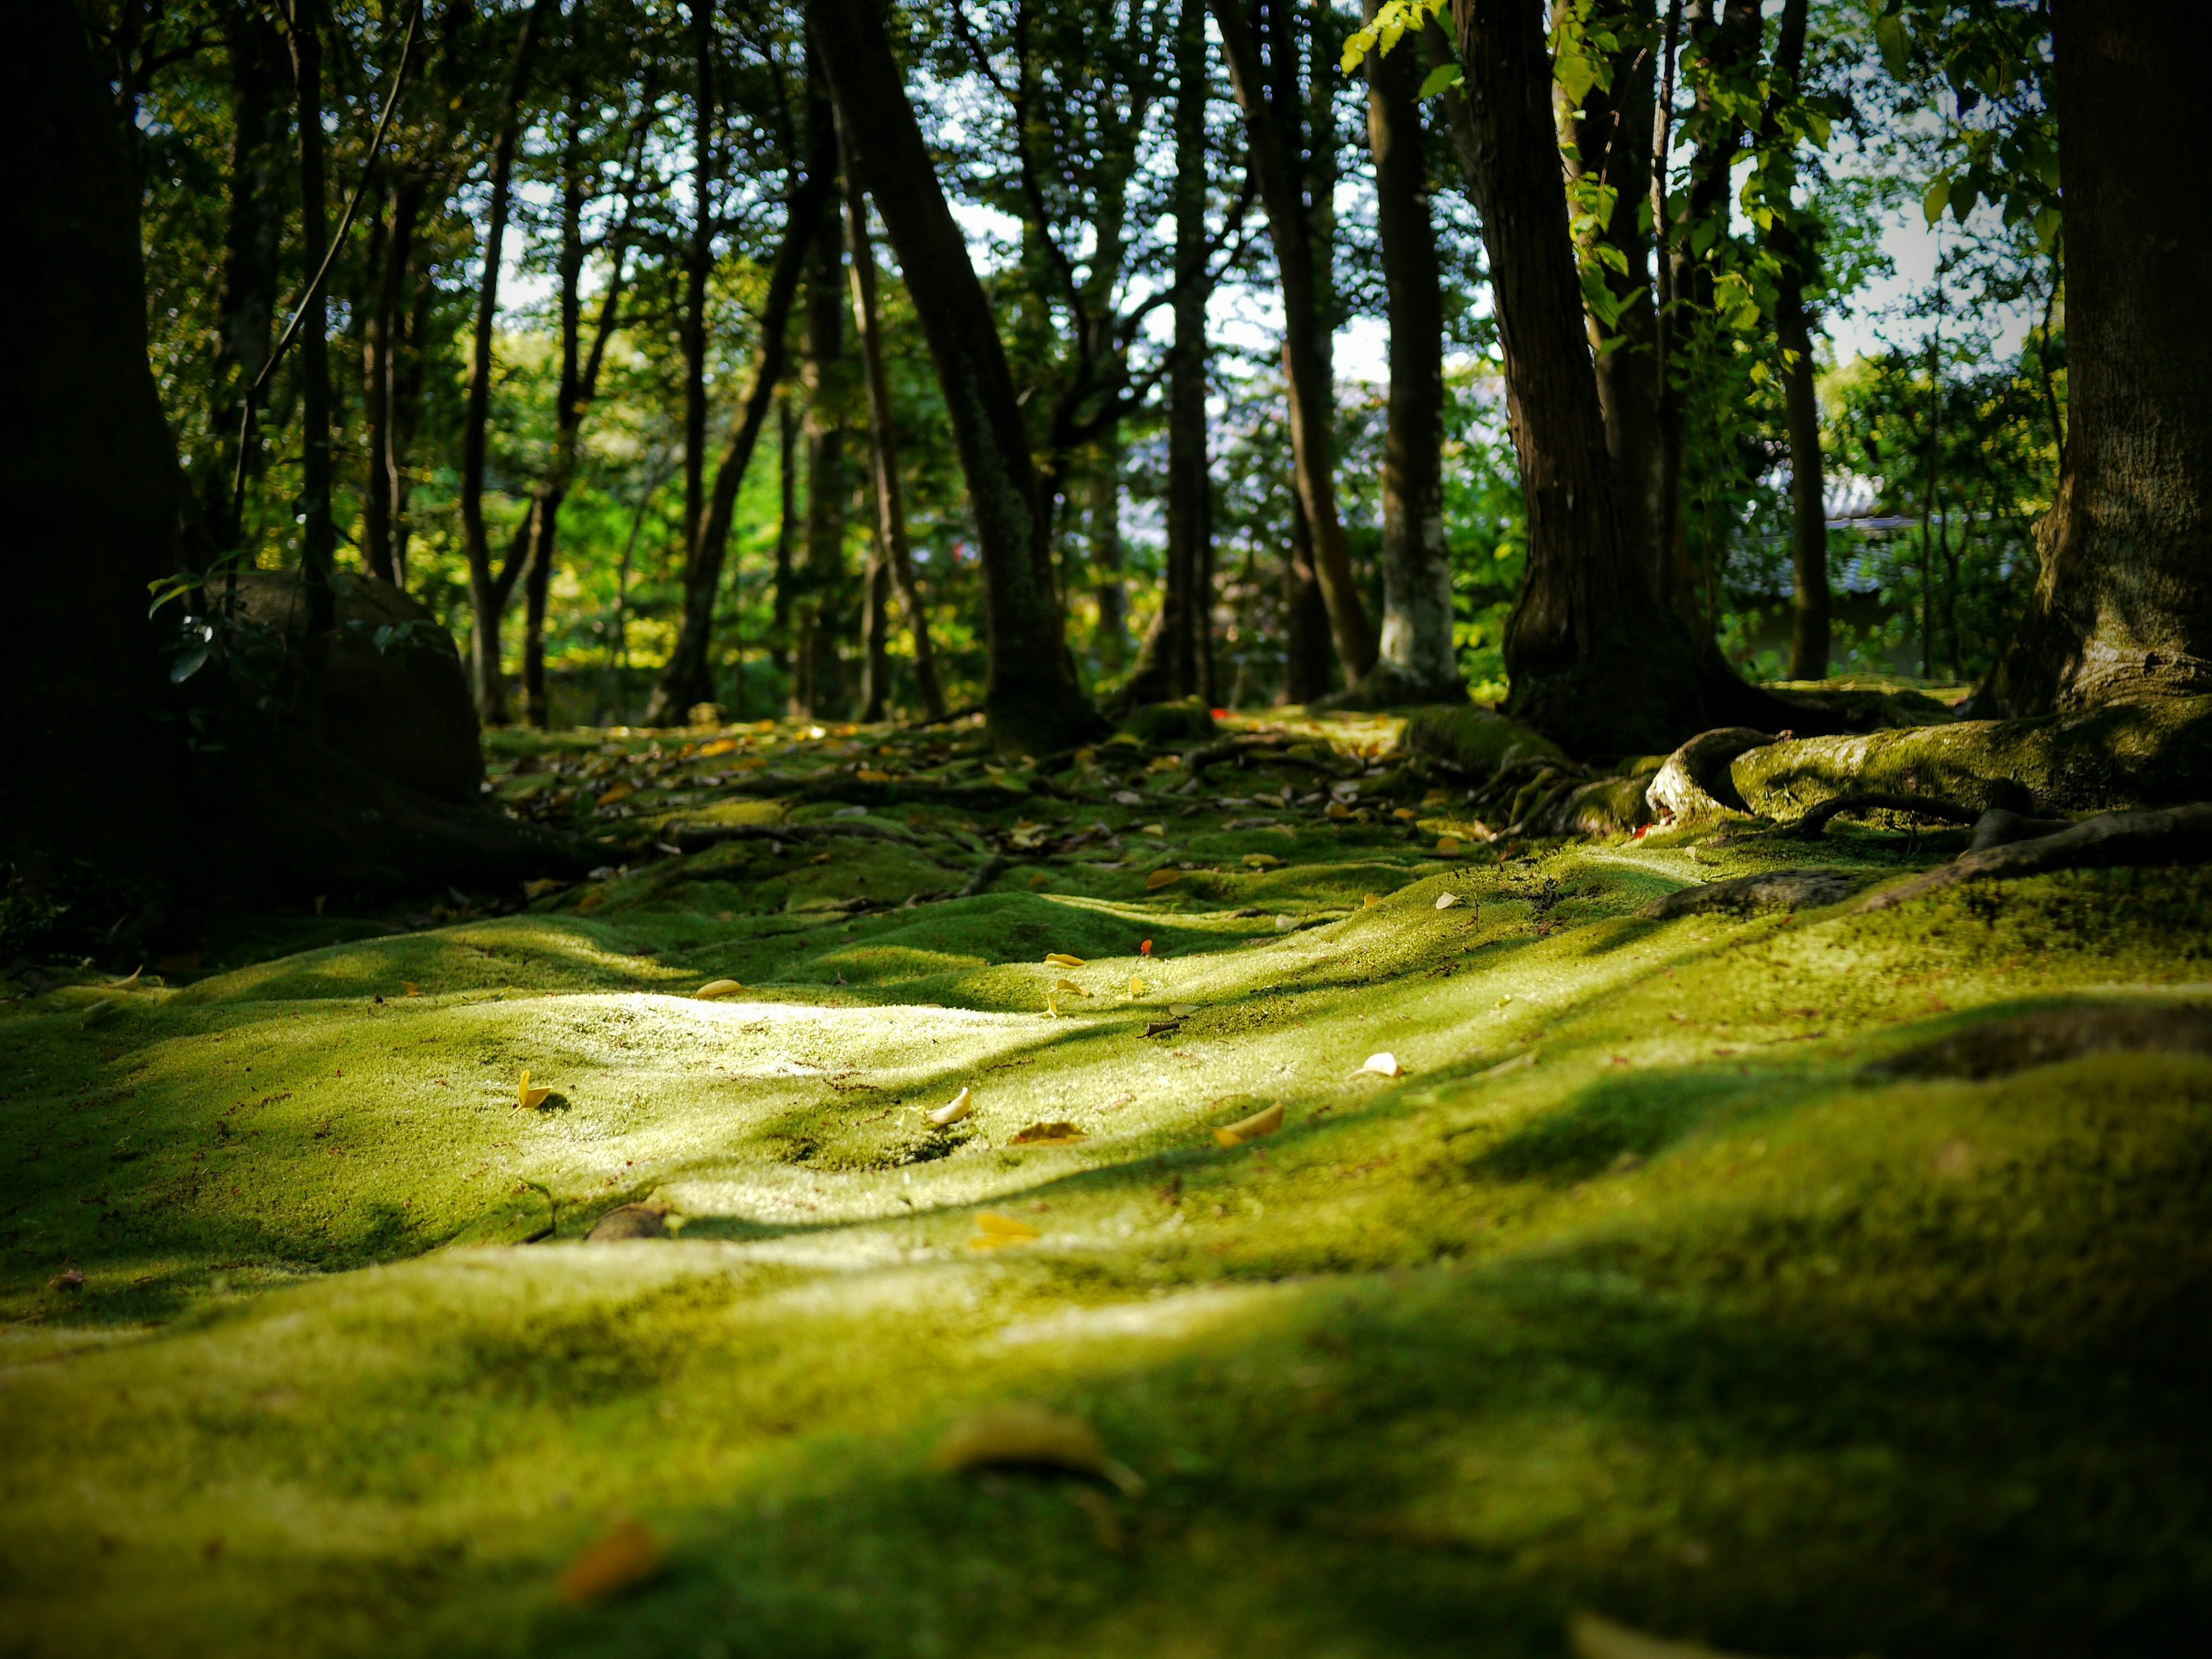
x: 1416, y: 662
x: 245, y: 298
x: 1175, y: 658
x: 1610, y: 146
x: 2123, y: 610
x: 698, y: 263
x: 688, y: 678
x: 1272, y: 128
x: 409, y: 361
x: 820, y: 692
x: 568, y: 408
x: 318, y: 534
x: 1305, y: 616
x: 787, y: 531
x: 1592, y: 665
x: 379, y: 390
x: 1808, y: 512
x: 1032, y: 697
x: 489, y: 590
x: 1111, y: 639
x: 894, y: 566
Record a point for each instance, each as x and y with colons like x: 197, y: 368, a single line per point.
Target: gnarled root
x: 2170, y: 835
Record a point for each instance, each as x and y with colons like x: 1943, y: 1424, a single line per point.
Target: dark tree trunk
x: 318, y: 534
x: 1793, y: 332
x: 698, y: 264
x: 895, y: 557
x: 1611, y: 145
x: 1112, y: 599
x: 786, y: 530
x: 245, y: 299
x: 1416, y: 662
x: 1175, y: 658
x: 688, y: 678
x: 567, y: 409
x: 409, y: 359
x: 1305, y: 617
x: 379, y: 391
x: 825, y: 376
x: 1271, y: 121
x: 1592, y: 663
x: 1032, y: 697
x: 489, y: 590
x: 2123, y: 610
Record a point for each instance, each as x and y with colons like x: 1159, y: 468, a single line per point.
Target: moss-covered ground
x: 1635, y: 1292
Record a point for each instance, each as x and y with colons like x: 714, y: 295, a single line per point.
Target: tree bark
x: 379, y: 392
x: 1111, y: 639
x: 894, y: 567
x: 1592, y: 663
x: 1271, y: 126
x: 1610, y: 146
x: 688, y: 678
x: 820, y: 693
x: 698, y: 264
x: 1416, y: 661
x: 489, y: 590
x: 1031, y: 698
x: 2122, y: 608
x: 787, y: 531
x: 567, y: 409
x: 1305, y: 616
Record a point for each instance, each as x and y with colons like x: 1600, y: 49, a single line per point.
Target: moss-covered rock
x: 1185, y: 721
x: 2148, y: 754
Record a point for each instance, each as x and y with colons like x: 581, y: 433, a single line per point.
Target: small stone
x: 631, y: 1221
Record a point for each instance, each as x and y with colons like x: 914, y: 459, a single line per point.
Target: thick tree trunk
x: 1271, y: 126
x: 318, y: 534
x: 1305, y: 617
x: 1592, y: 663
x: 1416, y: 662
x: 489, y: 590
x: 824, y: 374
x: 245, y: 297
x: 2123, y: 610
x: 688, y: 678
x: 1111, y: 639
x: 1032, y: 697
x: 894, y: 567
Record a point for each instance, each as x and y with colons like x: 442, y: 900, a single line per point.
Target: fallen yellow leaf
x: 1445, y: 901
x: 1437, y: 798
x: 541, y: 887
x: 1371, y: 900
x: 1039, y: 879
x: 409, y: 988
x: 1159, y: 830
x: 1160, y: 878
x: 957, y: 1108
x: 1260, y: 1123
x: 1136, y: 985
x: 1182, y: 1010
x: 870, y: 775
x: 720, y: 746
x: 1029, y: 1435
x: 1061, y: 959
x: 996, y: 1232
x: 717, y: 987
x: 625, y: 1557
x: 525, y: 1096
x: 1405, y: 814
x: 618, y: 792
x: 1072, y: 988
x: 1261, y: 860
x: 1049, y: 1134
x: 1449, y: 844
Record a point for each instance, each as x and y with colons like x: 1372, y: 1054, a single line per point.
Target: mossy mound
x: 1474, y: 739
x: 1632, y: 1283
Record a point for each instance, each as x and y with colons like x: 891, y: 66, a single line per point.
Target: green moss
x: 1639, y: 1291
x: 1474, y: 739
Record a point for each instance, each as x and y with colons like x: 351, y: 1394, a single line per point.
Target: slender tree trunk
x: 1032, y: 697
x: 2123, y: 610
x: 379, y: 388
x: 1305, y: 616
x: 823, y: 373
x: 1809, y: 512
x: 407, y: 370
x: 1416, y: 662
x: 1592, y: 665
x: 489, y: 590
x: 786, y: 530
x: 1112, y: 599
x: 568, y: 407
x: 1175, y: 658
x: 688, y: 678
x: 896, y: 553
x: 1272, y: 128
x: 245, y: 299
x: 318, y: 534
x: 1667, y: 557
x: 1611, y: 145
x: 698, y: 264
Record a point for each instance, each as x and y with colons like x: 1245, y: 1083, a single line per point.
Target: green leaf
x: 1896, y: 46
x: 1938, y: 195
x: 1441, y: 78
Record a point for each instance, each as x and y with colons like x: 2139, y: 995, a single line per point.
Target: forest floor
x: 1636, y: 1286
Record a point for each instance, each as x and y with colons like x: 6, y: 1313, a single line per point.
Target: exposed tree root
x: 1788, y: 890
x: 694, y: 837
x: 2044, y: 1037
x: 1816, y: 820
x: 2170, y: 835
